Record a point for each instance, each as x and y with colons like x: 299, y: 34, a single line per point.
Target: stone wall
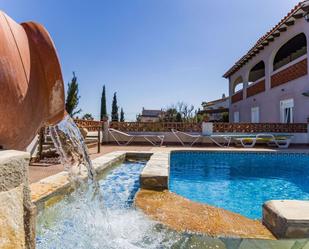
x: 17, y: 215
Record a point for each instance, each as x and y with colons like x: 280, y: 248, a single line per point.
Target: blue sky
x: 153, y: 53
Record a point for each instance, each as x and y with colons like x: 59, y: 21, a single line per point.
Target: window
x: 290, y: 51
x: 236, y: 117
x: 257, y: 72
x: 255, y: 115
x: 286, y: 111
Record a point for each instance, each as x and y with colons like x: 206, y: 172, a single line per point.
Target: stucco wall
x: 269, y: 101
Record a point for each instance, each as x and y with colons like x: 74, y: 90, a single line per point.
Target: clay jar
x: 31, y: 83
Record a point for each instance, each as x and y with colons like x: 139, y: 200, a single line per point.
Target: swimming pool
x: 239, y: 182
x: 82, y: 221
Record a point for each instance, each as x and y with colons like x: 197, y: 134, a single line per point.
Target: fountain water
x: 74, y: 155
x: 70, y: 144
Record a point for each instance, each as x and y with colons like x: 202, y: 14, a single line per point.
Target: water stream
x: 70, y: 144
x: 74, y: 155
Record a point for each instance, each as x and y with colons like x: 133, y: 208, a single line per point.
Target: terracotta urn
x: 31, y: 83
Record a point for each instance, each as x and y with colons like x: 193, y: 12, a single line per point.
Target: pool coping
x: 155, y: 175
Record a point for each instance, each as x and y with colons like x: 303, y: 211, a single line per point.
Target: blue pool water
x: 239, y: 182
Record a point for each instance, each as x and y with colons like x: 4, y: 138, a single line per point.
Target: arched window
x: 290, y: 51
x: 238, y: 84
x: 257, y: 72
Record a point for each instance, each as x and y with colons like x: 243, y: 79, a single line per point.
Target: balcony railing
x: 256, y: 88
x: 237, y: 97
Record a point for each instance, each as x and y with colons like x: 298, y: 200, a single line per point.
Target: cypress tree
x: 72, y: 99
x: 121, y: 115
x: 103, y: 105
x: 115, y: 116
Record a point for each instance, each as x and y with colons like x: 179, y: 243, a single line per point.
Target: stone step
x: 287, y: 219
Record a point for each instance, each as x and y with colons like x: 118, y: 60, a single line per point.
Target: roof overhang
x: 296, y: 13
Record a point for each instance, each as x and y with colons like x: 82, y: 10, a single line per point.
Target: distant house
x: 270, y: 84
x: 216, y: 109
x: 150, y: 116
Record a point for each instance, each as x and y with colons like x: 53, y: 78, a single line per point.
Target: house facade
x: 216, y: 109
x: 150, y: 116
x: 270, y: 84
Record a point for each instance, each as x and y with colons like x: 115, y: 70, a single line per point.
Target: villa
x: 270, y: 84
x: 150, y: 116
x: 216, y: 109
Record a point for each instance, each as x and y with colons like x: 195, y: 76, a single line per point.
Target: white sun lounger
x: 282, y: 141
x: 195, y: 138
x: 131, y: 137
